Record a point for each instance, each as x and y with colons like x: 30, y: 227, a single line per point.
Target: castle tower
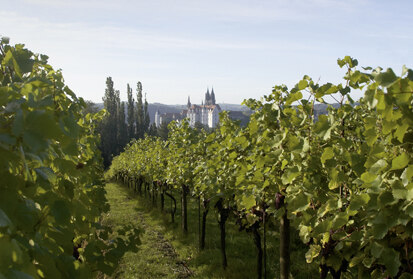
x: 207, y: 97
x: 212, y: 97
x: 157, y: 118
x: 189, y: 103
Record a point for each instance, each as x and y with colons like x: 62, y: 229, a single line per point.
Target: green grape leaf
x: 401, y: 131
x: 386, y: 198
x: 290, y: 174
x: 323, y: 128
x: 368, y: 177
x: 47, y: 174
x: 355, y: 260
x: 18, y: 123
x: 61, y: 211
x: 378, y: 166
x: 390, y: 258
x: 400, y: 162
x: 248, y: 201
x: 409, y: 210
x: 42, y: 123
x: 407, y: 175
x: 387, y: 78
x: 327, y: 154
x: 312, y: 253
x: 340, y: 220
x: 358, y: 201
x: 302, y: 84
x: 298, y: 203
x: 380, y: 230
x: 376, y: 249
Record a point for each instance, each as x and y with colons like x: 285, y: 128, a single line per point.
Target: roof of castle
x: 209, y: 107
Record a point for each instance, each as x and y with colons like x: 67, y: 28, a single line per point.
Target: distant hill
x: 238, y: 112
x: 234, y: 107
x: 178, y: 108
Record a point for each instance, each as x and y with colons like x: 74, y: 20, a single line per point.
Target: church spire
x: 212, y: 97
x: 189, y: 102
x: 207, y: 97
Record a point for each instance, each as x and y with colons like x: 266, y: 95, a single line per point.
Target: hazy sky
x: 179, y: 48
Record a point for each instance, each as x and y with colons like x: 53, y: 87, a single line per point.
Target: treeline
x: 341, y: 181
x: 124, y: 121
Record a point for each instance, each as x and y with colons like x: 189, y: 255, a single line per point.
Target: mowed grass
x: 152, y: 261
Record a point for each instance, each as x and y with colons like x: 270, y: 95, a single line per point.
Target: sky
x: 179, y: 48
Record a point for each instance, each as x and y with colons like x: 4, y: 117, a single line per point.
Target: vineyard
x: 337, y: 186
x: 341, y: 181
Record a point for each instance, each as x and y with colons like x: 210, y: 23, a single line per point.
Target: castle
x: 207, y: 113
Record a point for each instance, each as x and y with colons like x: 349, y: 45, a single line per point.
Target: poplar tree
x: 123, y: 128
x: 163, y: 131
x: 139, y: 112
x: 121, y: 131
x: 109, y: 124
x: 147, y: 120
x: 131, y: 114
x: 153, y: 131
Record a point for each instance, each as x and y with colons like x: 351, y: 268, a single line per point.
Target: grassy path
x: 165, y: 252
x: 156, y: 257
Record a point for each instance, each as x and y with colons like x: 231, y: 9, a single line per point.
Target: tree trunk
x: 184, y: 209
x: 257, y: 242
x: 162, y: 200
x: 174, y: 209
x: 199, y: 222
x: 324, y: 271
x: 335, y: 274
x: 204, y: 217
x: 223, y: 212
x: 153, y: 194
x: 148, y: 191
x: 284, y: 246
x: 264, y: 223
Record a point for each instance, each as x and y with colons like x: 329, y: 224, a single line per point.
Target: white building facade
x: 207, y: 114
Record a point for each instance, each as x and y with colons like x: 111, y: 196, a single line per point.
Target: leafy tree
x: 91, y: 107
x: 147, y: 120
x: 163, y: 131
x: 140, y: 116
x: 109, y: 130
x: 182, y: 140
x: 199, y: 126
x: 341, y: 181
x: 131, y: 114
x: 153, y: 131
x: 123, y: 128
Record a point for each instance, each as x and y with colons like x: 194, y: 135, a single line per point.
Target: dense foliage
x: 342, y: 180
x: 121, y: 125
x: 51, y: 188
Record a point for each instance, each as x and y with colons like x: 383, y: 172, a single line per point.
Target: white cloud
x: 87, y: 37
